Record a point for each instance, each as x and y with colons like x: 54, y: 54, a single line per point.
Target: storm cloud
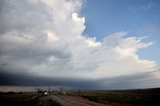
x: 44, y: 39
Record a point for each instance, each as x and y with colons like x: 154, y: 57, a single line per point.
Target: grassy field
x: 142, y: 97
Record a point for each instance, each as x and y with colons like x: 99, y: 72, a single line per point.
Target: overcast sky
x: 105, y: 44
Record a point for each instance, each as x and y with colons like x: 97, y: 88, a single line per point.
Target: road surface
x: 65, y: 100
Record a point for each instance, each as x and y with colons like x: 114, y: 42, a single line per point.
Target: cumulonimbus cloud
x: 44, y: 38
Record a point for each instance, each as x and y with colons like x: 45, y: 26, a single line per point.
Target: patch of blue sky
x: 137, y: 17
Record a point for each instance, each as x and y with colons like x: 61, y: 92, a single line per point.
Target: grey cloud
x: 143, y: 80
x: 121, y: 82
x: 22, y: 15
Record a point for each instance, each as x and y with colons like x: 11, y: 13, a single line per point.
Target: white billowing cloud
x: 92, y: 42
x: 121, y: 56
x: 44, y: 38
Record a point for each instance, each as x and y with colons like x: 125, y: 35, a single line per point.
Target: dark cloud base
x: 28, y: 80
x: 121, y: 82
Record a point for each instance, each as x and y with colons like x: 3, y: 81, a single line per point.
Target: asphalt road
x: 65, y: 100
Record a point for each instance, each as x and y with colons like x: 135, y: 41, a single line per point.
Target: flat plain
x: 137, y: 97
